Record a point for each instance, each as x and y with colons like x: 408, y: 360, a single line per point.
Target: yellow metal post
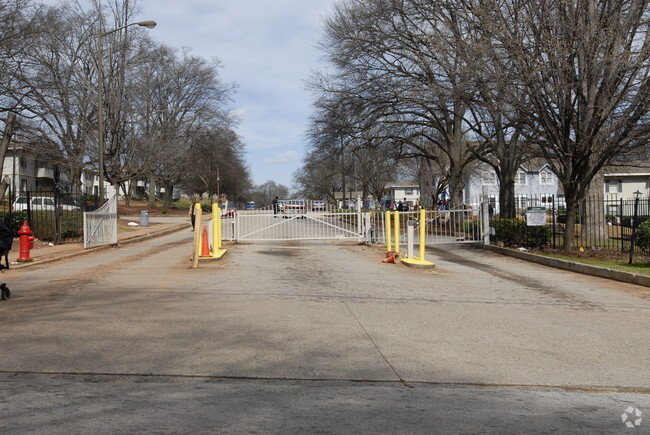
x: 388, y: 233
x: 217, y: 251
x: 396, y: 217
x: 423, y: 232
x: 197, y: 236
x: 420, y: 262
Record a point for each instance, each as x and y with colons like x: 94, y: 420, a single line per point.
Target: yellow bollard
x: 423, y: 232
x: 217, y: 251
x: 389, y: 244
x: 420, y: 262
x: 396, y: 217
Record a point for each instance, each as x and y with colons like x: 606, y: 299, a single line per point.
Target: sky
x: 268, y: 48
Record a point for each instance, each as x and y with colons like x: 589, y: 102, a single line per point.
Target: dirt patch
x: 134, y: 208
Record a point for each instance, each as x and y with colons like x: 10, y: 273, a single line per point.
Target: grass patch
x: 641, y: 267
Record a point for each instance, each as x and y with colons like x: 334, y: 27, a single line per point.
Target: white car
x: 318, y: 205
x: 44, y: 203
x: 295, y: 206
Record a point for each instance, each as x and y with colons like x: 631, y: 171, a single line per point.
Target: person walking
x: 276, y: 204
x: 191, y: 214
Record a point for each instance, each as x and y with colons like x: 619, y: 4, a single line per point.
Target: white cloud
x: 284, y: 157
x: 268, y: 48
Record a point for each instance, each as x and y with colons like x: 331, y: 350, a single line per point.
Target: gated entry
x: 441, y: 226
x: 265, y: 225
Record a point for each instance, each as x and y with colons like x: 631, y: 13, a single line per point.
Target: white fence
x: 302, y: 224
x: 100, y: 226
x: 442, y: 226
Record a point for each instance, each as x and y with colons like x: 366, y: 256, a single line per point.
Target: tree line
x: 166, y: 116
x: 453, y: 82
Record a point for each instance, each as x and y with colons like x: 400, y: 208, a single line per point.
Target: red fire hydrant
x: 26, y: 242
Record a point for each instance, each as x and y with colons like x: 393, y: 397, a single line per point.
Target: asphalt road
x: 318, y: 338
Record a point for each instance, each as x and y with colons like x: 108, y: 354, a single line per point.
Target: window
x: 488, y: 178
x: 614, y: 186
x: 520, y: 178
x: 23, y: 162
x: 408, y: 191
x: 546, y: 177
x: 521, y: 201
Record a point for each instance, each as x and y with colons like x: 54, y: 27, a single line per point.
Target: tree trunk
x: 4, y: 146
x: 456, y: 187
x: 169, y: 189
x: 594, y: 223
x: 152, y: 191
x: 507, y: 209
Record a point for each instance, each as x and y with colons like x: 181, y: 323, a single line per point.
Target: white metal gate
x: 267, y: 225
x: 441, y: 226
x: 100, y: 226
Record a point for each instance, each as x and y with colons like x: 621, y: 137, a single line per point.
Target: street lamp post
x: 149, y: 24
x: 637, y: 195
x: 343, y: 173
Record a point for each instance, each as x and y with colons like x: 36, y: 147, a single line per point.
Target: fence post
x: 359, y: 225
x: 553, y: 219
x: 485, y: 217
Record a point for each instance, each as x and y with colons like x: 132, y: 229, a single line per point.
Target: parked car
x: 229, y: 212
x: 250, y: 205
x: 295, y: 206
x: 44, y: 203
x: 318, y: 205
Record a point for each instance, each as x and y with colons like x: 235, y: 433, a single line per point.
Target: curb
x: 571, y: 266
x: 126, y: 241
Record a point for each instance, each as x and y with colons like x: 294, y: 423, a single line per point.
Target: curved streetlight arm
x: 149, y: 24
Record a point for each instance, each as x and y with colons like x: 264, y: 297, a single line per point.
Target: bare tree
x: 59, y: 72
x: 393, y: 56
x: 584, y: 68
x: 218, y: 165
x: 264, y: 193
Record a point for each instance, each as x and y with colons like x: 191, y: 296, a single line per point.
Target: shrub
x: 515, y: 232
x: 14, y: 220
x: 643, y: 236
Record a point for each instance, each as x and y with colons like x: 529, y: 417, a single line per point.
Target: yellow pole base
x: 214, y: 255
x: 416, y: 262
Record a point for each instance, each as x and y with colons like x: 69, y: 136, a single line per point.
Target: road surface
x: 319, y: 337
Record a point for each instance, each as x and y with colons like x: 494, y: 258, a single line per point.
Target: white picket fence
x: 100, y: 226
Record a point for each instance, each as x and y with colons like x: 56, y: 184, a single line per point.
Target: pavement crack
x: 401, y: 380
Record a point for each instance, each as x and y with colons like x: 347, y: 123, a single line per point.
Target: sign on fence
x: 536, y: 216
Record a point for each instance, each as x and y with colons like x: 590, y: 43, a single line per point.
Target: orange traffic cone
x: 389, y: 259
x: 205, y: 251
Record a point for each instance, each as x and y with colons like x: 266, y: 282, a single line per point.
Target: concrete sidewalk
x: 44, y: 252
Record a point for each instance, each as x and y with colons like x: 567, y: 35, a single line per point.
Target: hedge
x: 515, y: 232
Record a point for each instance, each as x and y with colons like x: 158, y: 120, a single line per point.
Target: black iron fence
x: 603, y: 223
x: 52, y: 216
